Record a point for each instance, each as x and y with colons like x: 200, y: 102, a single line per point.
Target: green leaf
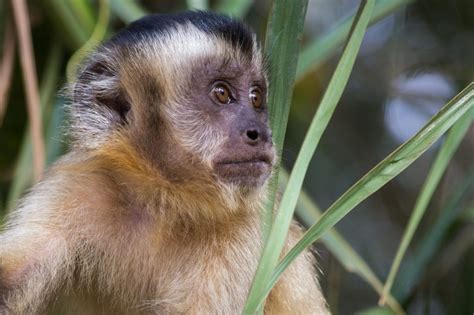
x: 309, y: 213
x: 468, y: 214
x: 375, y: 311
x: 283, y: 40
x: 449, y: 147
x: 49, y: 82
x: 382, y: 173
x: 323, y: 47
x: 282, y: 45
x: 127, y: 10
x: 432, y: 241
x: 55, y: 145
x: 83, y: 12
x: 96, y: 37
x: 279, y: 230
x: 237, y: 8
x: 198, y: 4
x: 61, y: 14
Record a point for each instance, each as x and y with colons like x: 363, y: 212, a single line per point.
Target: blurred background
x: 412, y: 61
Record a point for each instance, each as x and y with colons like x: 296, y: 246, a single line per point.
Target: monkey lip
x: 259, y: 160
x: 245, y: 171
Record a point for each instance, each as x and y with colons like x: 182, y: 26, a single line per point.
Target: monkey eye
x: 255, y: 97
x: 221, y: 93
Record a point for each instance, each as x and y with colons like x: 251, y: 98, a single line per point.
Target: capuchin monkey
x: 157, y: 207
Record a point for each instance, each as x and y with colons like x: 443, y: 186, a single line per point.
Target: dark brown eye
x: 222, y: 93
x: 255, y: 97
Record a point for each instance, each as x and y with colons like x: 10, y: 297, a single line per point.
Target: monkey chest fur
x: 150, y: 269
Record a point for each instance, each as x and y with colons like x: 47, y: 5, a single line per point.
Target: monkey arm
x: 32, y: 268
x: 34, y: 259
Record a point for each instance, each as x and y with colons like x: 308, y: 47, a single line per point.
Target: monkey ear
x: 98, y: 89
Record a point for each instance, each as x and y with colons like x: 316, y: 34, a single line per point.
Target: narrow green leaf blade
x: 282, y: 45
x: 127, y: 10
x: 450, y: 145
x: 83, y: 11
x: 55, y: 145
x: 198, y: 4
x: 433, y: 239
x: 237, y: 8
x: 49, y: 82
x: 382, y: 173
x: 317, y: 52
x: 96, y: 37
x: 375, y: 311
x: 309, y: 213
x: 279, y: 230
x: 75, y: 33
x: 283, y: 40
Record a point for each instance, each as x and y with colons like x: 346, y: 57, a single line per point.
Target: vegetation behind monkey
x: 156, y: 208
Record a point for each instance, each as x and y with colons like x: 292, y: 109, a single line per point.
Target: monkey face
x: 190, y: 99
x: 239, y: 109
x: 230, y: 121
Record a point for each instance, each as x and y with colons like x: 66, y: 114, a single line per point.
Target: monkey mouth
x: 245, y: 171
x: 258, y: 160
x: 262, y: 160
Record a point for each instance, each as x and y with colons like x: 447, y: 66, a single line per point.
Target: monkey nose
x: 252, y: 136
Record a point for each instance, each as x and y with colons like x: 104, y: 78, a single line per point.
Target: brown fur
x: 134, y: 220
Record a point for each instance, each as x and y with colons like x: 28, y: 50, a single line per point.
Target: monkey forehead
x: 171, y: 59
x: 187, y: 46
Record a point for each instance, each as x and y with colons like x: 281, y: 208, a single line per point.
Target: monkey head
x: 187, y: 92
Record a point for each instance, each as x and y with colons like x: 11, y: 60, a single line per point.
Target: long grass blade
x: 279, y: 230
x: 127, y: 10
x: 82, y: 9
x: 237, y: 8
x: 382, y: 173
x: 282, y: 44
x: 55, y: 145
x: 468, y: 213
x: 449, y: 147
x: 433, y: 239
x: 97, y: 36
x: 22, y: 22
x: 310, y: 213
x: 317, y: 52
x: 198, y: 4
x: 75, y: 33
x: 375, y: 311
x: 6, y: 66
x: 49, y: 81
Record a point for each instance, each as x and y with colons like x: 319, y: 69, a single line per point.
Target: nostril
x: 252, y: 134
